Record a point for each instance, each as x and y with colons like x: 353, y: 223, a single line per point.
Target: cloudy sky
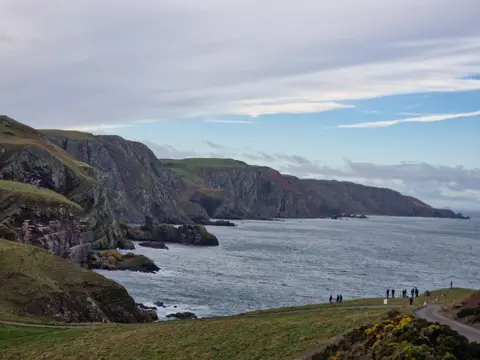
x: 381, y: 92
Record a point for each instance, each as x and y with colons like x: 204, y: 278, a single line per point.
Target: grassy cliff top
x: 28, y: 272
x: 69, y: 134
x: 15, y: 136
x: 187, y: 168
x: 25, y: 193
x: 285, y: 333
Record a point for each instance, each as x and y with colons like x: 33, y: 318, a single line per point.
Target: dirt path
x: 430, y: 313
x: 47, y: 326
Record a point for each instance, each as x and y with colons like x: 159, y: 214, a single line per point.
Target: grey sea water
x: 262, y: 264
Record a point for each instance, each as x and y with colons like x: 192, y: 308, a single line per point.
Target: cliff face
x: 112, y: 178
x: 136, y: 182
x: 232, y: 189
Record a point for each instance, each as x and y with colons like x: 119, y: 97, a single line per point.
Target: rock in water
x: 154, y: 245
x: 187, y: 315
x: 113, y: 260
x: 196, y: 235
x: 154, y: 231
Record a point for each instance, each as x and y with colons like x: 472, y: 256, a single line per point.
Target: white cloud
x: 420, y: 119
x: 228, y: 121
x: 227, y: 57
x: 97, y: 129
x: 288, y: 108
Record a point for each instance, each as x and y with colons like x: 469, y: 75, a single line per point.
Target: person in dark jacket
x: 393, y: 293
x: 330, y: 299
x: 388, y: 293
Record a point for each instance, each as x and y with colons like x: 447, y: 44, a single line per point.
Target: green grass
x: 195, y: 163
x: 69, y: 134
x: 15, y: 136
x: 452, y: 296
x: 187, y: 169
x: 29, y: 275
x: 25, y: 193
x: 261, y: 337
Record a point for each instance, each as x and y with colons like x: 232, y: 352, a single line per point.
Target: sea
x: 268, y: 264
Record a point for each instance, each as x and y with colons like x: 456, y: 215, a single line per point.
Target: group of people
x: 414, y: 293
x: 339, y: 298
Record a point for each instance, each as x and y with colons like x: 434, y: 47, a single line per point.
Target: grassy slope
x: 271, y: 334
x: 25, y: 193
x: 15, y: 136
x: 28, y: 273
x: 187, y: 168
x: 70, y: 134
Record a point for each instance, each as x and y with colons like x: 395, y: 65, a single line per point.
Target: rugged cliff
x: 231, y: 189
x: 136, y: 182
x: 112, y: 178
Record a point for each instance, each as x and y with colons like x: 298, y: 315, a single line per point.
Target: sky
x: 380, y: 92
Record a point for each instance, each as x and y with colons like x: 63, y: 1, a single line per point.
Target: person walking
x: 416, y: 292
x: 341, y: 298
x: 412, y: 291
x: 393, y: 293
x: 451, y: 284
x: 388, y: 293
x: 330, y: 299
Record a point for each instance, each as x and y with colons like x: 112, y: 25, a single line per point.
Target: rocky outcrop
x: 154, y: 231
x: 208, y: 222
x: 186, y: 315
x: 36, y: 283
x: 230, y: 189
x: 154, y: 245
x: 113, y: 260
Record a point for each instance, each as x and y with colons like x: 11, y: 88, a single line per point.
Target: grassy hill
x: 37, y: 286
x: 285, y: 333
x: 25, y: 193
x: 15, y: 137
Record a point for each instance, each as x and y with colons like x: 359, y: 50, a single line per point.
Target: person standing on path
x: 330, y: 299
x: 416, y: 292
x: 393, y: 293
x: 412, y: 291
x: 388, y: 293
x: 451, y: 284
x: 341, y: 298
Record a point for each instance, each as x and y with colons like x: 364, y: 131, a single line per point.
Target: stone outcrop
x: 154, y: 231
x: 186, y: 315
x: 154, y: 245
x: 113, y: 260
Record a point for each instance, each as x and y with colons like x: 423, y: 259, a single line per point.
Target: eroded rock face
x: 136, y: 181
x: 154, y: 245
x: 154, y: 231
x: 250, y: 192
x: 94, y: 305
x: 186, y: 315
x: 113, y: 260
